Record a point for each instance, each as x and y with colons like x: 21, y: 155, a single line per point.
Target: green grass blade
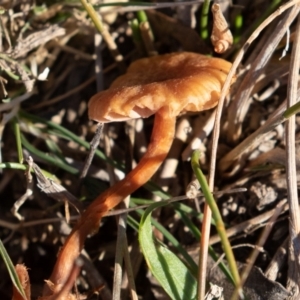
x: 204, y: 20
x: 11, y: 270
x: 216, y: 216
x: 16, y: 128
x: 67, y: 134
x: 54, y: 161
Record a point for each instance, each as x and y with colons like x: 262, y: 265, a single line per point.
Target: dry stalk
x: 293, y: 283
x: 277, y: 261
x: 248, y: 226
x: 253, y: 140
x: 148, y: 38
x: 24, y: 197
x: 278, y: 210
x: 239, y: 107
x: 207, y: 213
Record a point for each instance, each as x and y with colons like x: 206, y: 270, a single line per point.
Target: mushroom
x: 166, y: 86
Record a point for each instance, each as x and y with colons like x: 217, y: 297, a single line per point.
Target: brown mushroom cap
x: 180, y: 82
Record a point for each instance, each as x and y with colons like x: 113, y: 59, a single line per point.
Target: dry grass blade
x: 239, y: 107
x: 259, y: 244
x: 36, y: 39
x: 291, y: 172
x: 254, y: 139
x: 207, y: 213
x: 121, y: 253
x: 247, y: 226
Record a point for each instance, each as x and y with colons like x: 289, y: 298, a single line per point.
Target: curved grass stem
x: 216, y: 216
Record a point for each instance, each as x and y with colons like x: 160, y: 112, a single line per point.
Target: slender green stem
x: 292, y: 110
x: 93, y: 15
x: 141, y: 16
x: 189, y: 223
x: 105, y: 34
x: 13, y: 165
x: 204, y: 20
x: 216, y: 216
x: 238, y: 27
x: 136, y: 35
x: 16, y: 128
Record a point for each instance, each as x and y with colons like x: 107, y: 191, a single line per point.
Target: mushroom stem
x: 159, y: 146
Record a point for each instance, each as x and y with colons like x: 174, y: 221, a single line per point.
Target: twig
x: 170, y: 165
x: 130, y: 273
x: 247, y: 226
x: 96, y: 280
x: 35, y: 39
x: 277, y: 261
x: 120, y: 248
x: 17, y: 226
x: 147, y: 6
x: 16, y: 101
x: 94, y: 145
x: 25, y: 196
x: 259, y: 245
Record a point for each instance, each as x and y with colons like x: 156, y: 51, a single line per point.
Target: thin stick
x: 94, y: 145
x: 118, y: 267
x: 25, y: 196
x: 247, y: 226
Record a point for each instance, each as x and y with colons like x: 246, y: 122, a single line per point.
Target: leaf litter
x: 252, y: 146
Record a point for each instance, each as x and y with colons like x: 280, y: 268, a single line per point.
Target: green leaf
x: 168, y: 269
x: 11, y: 270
